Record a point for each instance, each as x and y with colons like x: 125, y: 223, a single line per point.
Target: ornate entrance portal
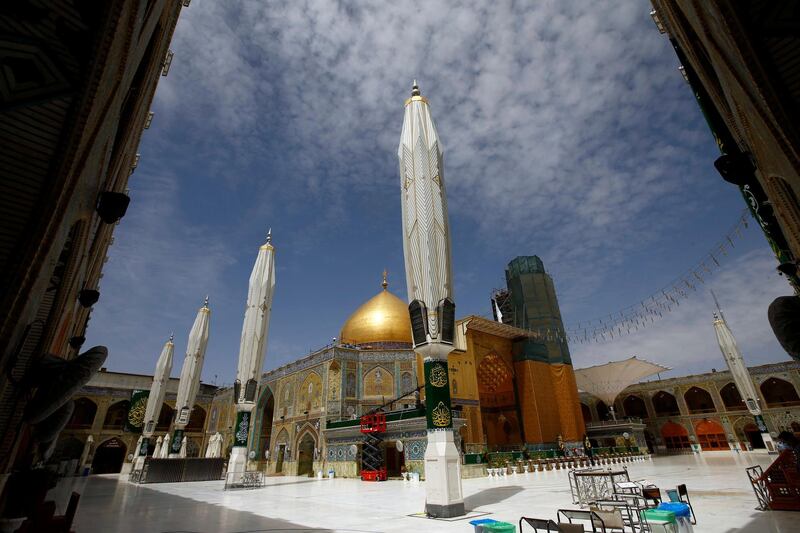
x: 305, y: 456
x: 109, y: 457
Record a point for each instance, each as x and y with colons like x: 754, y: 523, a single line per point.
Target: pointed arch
x: 779, y: 393
x: 83, y: 415
x: 699, y: 401
x: 665, y: 404
x: 711, y: 435
x: 262, y: 431
x: 306, y: 429
x: 731, y: 398
x: 675, y: 436
x: 379, y: 382
x: 603, y: 413
x: 310, y: 394
x: 109, y: 456
x: 197, y: 419
x: 283, y: 437
x: 165, y: 417
x: 634, y: 406
x: 586, y: 413
x: 116, y: 415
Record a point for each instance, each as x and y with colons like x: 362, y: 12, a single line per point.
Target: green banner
x: 242, y: 429
x: 177, y: 439
x: 134, y: 422
x: 437, y: 395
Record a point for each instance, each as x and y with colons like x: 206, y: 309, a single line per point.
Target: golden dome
x: 383, y: 319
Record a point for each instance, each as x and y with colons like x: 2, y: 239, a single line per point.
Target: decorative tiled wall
x: 341, y: 453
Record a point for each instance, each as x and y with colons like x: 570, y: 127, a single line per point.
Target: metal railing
x: 245, y: 480
x: 617, y: 422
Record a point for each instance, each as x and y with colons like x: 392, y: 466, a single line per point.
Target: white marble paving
x: 718, y: 486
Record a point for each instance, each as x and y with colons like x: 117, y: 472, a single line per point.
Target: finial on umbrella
x: 171, y: 336
x: 269, y: 236
x: 205, y: 302
x: 415, y: 89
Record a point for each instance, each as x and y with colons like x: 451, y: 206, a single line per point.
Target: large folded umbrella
x: 255, y: 327
x: 608, y: 380
x: 735, y: 361
x: 165, y: 447
x: 192, y: 366
x: 157, y: 449
x: 158, y: 389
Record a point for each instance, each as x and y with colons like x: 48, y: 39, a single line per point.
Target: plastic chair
x: 537, y: 524
x: 652, y: 494
x: 584, y: 516
x: 628, y: 508
x: 683, y: 494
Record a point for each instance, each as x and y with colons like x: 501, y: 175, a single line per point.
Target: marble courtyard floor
x: 717, y: 484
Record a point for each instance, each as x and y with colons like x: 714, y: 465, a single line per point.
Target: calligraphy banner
x: 437, y: 395
x: 134, y: 421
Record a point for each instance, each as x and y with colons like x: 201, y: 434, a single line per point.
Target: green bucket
x: 500, y: 527
x: 655, y: 515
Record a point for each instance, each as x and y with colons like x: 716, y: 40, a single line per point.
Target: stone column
x: 682, y: 407
x: 647, y: 396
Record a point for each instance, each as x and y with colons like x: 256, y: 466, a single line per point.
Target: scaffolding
x: 373, y: 467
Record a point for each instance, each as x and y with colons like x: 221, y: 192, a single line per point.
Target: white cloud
x: 547, y: 110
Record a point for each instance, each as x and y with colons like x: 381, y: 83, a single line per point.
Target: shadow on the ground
x: 491, y: 496
x: 766, y: 522
x: 109, y: 505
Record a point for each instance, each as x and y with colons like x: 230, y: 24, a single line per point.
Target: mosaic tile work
x: 415, y: 449
x: 341, y: 453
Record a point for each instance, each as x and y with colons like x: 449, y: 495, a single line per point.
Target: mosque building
x: 307, y: 414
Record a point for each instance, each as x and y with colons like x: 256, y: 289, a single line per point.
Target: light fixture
x: 787, y: 269
x: 682, y: 70
x: 77, y: 341
x: 88, y: 297
x: 148, y: 120
x: 657, y: 21
x: 111, y: 206
x: 736, y: 168
x: 167, y: 62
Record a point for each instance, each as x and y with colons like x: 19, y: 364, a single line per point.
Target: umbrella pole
x: 613, y: 413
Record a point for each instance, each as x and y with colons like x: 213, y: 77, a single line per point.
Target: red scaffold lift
x: 372, y: 465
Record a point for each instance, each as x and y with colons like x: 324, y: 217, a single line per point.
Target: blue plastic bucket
x: 478, y: 524
x: 680, y: 509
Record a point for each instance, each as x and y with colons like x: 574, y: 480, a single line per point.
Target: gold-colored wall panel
x: 569, y: 408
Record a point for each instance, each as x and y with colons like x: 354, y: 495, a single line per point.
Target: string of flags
x: 665, y: 300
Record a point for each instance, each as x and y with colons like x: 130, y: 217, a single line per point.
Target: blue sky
x: 568, y: 133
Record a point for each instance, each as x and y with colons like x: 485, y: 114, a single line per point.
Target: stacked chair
x: 620, y: 512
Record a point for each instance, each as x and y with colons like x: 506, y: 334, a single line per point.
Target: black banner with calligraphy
x: 134, y: 422
x: 437, y: 395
